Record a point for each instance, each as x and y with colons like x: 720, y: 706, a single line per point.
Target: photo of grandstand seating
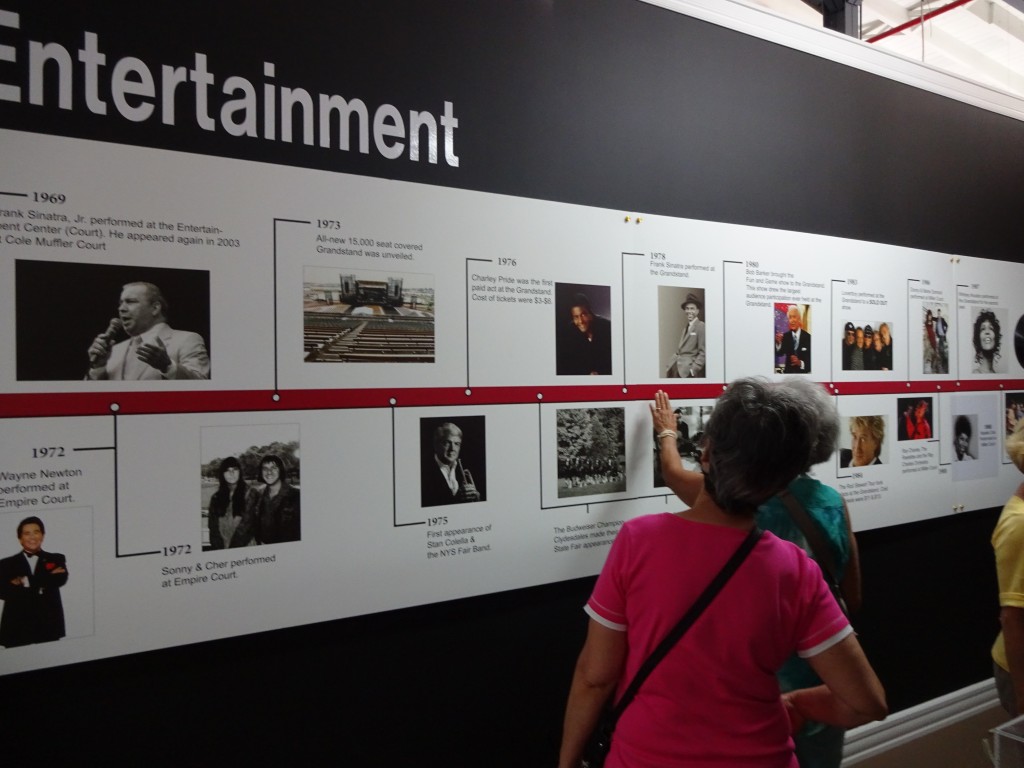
x: 363, y: 316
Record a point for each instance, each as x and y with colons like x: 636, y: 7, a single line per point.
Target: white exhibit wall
x: 125, y: 458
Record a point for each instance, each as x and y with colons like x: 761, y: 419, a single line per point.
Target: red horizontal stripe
x: 101, y: 403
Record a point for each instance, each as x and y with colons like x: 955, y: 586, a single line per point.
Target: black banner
x: 597, y: 102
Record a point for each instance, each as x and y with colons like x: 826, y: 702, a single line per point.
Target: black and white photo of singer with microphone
x: 152, y: 349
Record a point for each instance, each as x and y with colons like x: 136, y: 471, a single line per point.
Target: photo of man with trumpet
x: 444, y: 477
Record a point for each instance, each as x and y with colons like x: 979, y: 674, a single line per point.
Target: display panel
x: 427, y: 411
x: 378, y: 285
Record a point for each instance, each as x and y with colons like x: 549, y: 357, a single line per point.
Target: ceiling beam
x: 950, y: 6
x: 986, y: 68
x: 999, y: 16
x: 888, y: 11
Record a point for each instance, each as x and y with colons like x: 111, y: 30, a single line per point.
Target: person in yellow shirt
x: 1008, y: 542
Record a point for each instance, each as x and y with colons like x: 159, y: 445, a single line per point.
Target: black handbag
x: 601, y: 739
x: 600, y: 742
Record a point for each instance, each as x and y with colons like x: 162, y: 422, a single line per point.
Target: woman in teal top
x: 817, y: 745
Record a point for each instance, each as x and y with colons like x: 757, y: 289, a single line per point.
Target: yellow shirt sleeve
x: 1008, y: 543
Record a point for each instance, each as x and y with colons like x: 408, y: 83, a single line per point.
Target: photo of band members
x: 591, y: 451
x: 249, y: 483
x: 867, y: 346
x: 111, y: 322
x: 792, y: 338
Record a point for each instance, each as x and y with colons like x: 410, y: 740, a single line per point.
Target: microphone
x: 115, y: 330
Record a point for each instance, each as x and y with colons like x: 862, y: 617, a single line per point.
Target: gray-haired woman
x: 714, y: 699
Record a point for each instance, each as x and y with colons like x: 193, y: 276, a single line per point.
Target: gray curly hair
x: 761, y: 435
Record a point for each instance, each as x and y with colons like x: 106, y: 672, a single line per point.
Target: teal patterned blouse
x: 825, y: 507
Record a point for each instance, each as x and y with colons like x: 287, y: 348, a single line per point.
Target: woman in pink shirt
x: 714, y: 700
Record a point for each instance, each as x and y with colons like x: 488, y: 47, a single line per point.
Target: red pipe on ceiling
x: 919, y: 20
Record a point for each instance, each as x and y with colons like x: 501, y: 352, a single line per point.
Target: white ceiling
x: 982, y: 40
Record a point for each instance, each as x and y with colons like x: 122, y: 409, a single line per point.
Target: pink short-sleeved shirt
x: 714, y: 700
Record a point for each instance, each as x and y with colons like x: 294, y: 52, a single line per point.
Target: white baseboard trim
x: 906, y: 725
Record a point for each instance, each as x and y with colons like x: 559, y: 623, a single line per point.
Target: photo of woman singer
x: 987, y: 338
x: 714, y: 699
x: 230, y: 513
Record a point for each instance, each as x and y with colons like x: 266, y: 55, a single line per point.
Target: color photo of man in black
x: 30, y: 583
x: 583, y: 344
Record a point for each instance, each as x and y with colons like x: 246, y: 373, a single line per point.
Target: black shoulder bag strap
x: 685, y: 623
x: 816, y: 541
